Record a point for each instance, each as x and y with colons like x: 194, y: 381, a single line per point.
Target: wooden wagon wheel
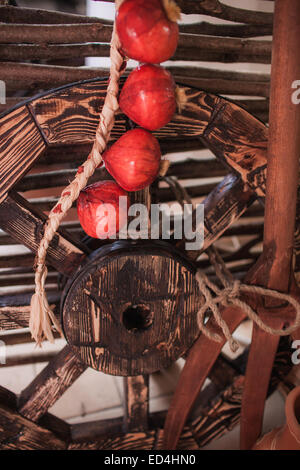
x: 70, y: 115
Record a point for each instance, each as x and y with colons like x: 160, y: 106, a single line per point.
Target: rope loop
x: 230, y: 294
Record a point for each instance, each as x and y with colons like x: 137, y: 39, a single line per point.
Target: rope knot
x: 214, y: 297
x: 229, y: 293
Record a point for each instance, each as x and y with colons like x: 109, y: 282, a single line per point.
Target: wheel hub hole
x: 137, y: 318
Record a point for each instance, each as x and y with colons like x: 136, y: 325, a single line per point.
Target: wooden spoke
x: 224, y: 205
x: 26, y: 224
x: 50, y: 384
x: 136, y: 403
x: 239, y: 140
x: 193, y: 376
x: 15, y: 309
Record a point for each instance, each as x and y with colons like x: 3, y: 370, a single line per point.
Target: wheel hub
x: 131, y: 308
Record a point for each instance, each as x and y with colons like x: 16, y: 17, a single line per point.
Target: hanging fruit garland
x: 148, y: 32
x: 99, y: 211
x: 151, y: 17
x: 149, y: 97
x: 134, y: 160
x: 148, y: 29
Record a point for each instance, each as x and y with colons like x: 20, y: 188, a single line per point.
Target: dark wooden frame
x: 70, y: 114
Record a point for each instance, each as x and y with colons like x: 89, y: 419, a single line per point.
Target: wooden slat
x: 18, y: 433
x: 205, y: 168
x: 21, y: 144
x: 213, y: 8
x: 231, y: 50
x: 50, y: 384
x: 136, y: 403
x: 15, y: 309
x: 130, y: 441
x: 26, y: 224
x: 224, y: 205
x: 240, y: 141
x: 71, y: 114
x: 220, y: 10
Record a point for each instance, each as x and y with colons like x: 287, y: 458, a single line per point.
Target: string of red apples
x: 148, y: 33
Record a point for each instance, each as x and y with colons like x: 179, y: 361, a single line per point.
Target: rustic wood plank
x: 50, y: 384
x: 240, y: 141
x: 222, y: 207
x: 130, y: 441
x: 136, y: 403
x: 26, y: 224
x: 220, y: 10
x: 233, y: 50
x: 38, y: 76
x: 71, y: 114
x: 213, y: 8
x: 18, y: 433
x: 15, y: 309
x: 206, y: 167
x: 21, y: 144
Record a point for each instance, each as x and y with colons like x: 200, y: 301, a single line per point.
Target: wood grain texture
x: 71, y: 114
x: 130, y: 441
x: 218, y: 9
x: 26, y: 224
x: 193, y: 376
x: 21, y: 143
x: 50, y: 384
x: 274, y: 268
x: 240, y: 141
x: 147, y: 323
x: 222, y: 207
x: 19, y: 433
x: 15, y: 309
x: 136, y: 403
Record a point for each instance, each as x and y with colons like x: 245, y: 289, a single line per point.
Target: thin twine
x: 42, y: 318
x: 229, y: 295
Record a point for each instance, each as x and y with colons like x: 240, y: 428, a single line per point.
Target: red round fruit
x: 145, y: 31
x: 100, y: 211
x: 134, y: 159
x: 148, y: 96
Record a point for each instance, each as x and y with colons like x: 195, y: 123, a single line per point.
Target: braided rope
x: 229, y: 295
x: 41, y: 317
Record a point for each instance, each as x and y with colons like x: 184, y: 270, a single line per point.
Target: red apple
x: 148, y: 96
x: 101, y: 213
x: 134, y: 159
x: 146, y: 32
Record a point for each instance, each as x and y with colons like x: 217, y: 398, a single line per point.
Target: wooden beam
x: 19, y: 433
x: 220, y: 10
x: 190, y: 47
x: 21, y: 144
x: 50, y: 384
x: 136, y: 403
x: 274, y: 268
x: 23, y: 222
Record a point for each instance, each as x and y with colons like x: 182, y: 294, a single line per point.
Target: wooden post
x: 274, y: 269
